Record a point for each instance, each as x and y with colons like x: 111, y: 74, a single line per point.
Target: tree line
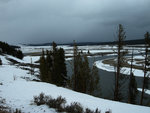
x: 53, y: 70
x: 10, y: 50
x: 53, y: 66
x: 86, y: 79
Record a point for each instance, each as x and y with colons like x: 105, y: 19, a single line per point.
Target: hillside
x: 11, y: 50
x: 18, y: 89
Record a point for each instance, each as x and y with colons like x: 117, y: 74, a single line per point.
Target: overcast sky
x: 40, y: 21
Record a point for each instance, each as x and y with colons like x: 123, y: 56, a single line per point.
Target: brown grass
x: 111, y: 62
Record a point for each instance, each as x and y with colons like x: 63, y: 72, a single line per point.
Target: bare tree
x: 120, y: 59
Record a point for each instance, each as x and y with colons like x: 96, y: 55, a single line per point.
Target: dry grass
x: 112, y: 62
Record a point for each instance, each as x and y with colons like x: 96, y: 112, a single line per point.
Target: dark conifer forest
x: 11, y: 50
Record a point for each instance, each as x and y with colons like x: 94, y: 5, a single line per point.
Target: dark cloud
x: 36, y: 21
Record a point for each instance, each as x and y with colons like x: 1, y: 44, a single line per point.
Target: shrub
x: 97, y: 111
x: 74, y: 108
x: 39, y: 100
x: 90, y: 111
x: 59, y: 105
x: 17, y: 111
x: 109, y: 111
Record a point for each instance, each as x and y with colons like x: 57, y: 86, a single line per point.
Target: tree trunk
x: 144, y: 79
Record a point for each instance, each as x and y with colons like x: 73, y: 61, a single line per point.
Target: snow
x: 27, y: 59
x: 32, y: 49
x: 107, y: 50
x: 4, y: 61
x: 103, y: 66
x: 14, y: 58
x: 125, y: 70
x: 19, y: 93
x: 146, y: 90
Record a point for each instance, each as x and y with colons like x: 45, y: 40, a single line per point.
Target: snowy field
x: 18, y: 92
x: 93, y: 49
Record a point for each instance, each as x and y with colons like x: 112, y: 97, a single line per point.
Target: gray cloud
x: 36, y: 21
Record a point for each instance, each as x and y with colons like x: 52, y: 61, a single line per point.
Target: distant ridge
x: 127, y: 42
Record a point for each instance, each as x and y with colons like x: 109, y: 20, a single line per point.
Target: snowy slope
x: 19, y: 93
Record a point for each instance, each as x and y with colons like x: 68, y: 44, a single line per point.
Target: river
x: 107, y: 81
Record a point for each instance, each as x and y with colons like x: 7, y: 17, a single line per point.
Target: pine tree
x: 59, y: 73
x: 43, y: 68
x: 19, y: 54
x: 83, y: 73
x: 79, y: 73
x: 146, y: 65
x: 49, y: 66
x: 32, y: 68
x: 53, y: 67
x: 62, y: 66
x: 132, y: 85
x: 11, y: 50
x: 120, y: 60
x: 94, y: 81
x: 86, y: 74
x: 76, y: 58
x: 0, y: 62
x: 84, y: 79
x: 88, y: 52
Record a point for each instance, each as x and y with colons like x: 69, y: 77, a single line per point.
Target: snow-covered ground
x: 29, y: 59
x: 124, y: 70
x: 93, y: 49
x: 19, y: 93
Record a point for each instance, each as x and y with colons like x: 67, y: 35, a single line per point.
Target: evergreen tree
x: 94, y: 81
x: 84, y: 79
x: 76, y: 62
x: 146, y: 65
x: 32, y: 68
x: 88, y: 52
x: 79, y: 73
x: 53, y: 67
x: 0, y: 62
x: 62, y: 67
x: 83, y: 74
x: 19, y: 54
x: 11, y: 50
x: 132, y: 85
x: 49, y: 66
x: 43, y: 68
x: 86, y: 74
x: 120, y: 60
x: 132, y: 89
